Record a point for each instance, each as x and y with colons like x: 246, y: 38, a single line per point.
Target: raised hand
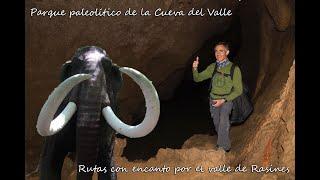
x: 195, y: 63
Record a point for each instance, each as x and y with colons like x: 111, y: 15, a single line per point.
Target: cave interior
x: 186, y: 113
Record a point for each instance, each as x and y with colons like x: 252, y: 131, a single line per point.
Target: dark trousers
x: 220, y: 116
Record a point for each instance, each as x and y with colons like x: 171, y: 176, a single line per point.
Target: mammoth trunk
x: 88, y: 121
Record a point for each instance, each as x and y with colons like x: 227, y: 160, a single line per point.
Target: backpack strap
x: 213, y: 73
x: 233, y: 66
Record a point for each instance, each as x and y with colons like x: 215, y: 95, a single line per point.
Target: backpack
x: 242, y: 106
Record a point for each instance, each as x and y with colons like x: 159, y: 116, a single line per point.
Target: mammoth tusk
x: 152, y: 108
x: 45, y: 125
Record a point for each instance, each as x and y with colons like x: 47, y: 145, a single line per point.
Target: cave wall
x: 269, y: 134
x: 268, y: 40
x: 161, y: 48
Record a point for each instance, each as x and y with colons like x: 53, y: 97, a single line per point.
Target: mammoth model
x: 78, y: 116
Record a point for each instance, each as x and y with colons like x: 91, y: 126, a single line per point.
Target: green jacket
x: 222, y: 87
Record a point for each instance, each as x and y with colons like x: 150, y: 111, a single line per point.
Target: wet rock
x: 282, y: 12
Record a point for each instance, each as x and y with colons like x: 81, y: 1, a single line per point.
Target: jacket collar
x: 223, y: 63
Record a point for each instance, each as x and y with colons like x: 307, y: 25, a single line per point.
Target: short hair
x: 225, y: 44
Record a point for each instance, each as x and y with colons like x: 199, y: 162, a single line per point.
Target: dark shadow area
x: 180, y: 118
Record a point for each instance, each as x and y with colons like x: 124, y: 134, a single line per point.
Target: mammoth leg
x: 56, y: 147
x: 52, y: 159
x: 106, y: 153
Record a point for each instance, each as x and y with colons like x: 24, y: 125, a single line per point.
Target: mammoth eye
x: 75, y: 65
x: 106, y: 64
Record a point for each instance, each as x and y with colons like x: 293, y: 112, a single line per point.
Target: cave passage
x: 187, y: 112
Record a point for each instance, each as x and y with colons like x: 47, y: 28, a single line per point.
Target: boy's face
x: 220, y: 52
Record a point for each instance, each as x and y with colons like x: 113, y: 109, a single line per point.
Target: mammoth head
x: 89, y: 64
